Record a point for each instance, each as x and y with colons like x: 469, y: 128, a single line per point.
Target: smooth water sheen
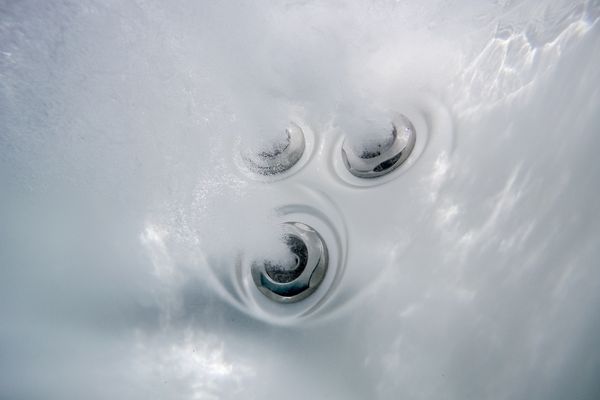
x: 129, y: 220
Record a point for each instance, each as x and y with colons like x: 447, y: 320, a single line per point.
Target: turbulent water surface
x: 473, y: 274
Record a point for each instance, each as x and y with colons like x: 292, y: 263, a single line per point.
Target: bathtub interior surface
x: 472, y: 271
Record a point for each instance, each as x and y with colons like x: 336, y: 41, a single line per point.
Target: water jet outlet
x: 294, y: 282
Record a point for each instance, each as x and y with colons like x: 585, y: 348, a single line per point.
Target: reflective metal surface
x: 277, y: 156
x: 291, y: 283
x: 374, y: 159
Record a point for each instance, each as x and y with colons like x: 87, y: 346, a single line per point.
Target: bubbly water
x: 118, y: 126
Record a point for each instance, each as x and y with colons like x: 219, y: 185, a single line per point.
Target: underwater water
x: 473, y: 271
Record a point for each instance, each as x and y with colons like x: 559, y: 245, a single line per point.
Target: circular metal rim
x: 264, y: 164
x: 311, y: 277
x: 395, y: 155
